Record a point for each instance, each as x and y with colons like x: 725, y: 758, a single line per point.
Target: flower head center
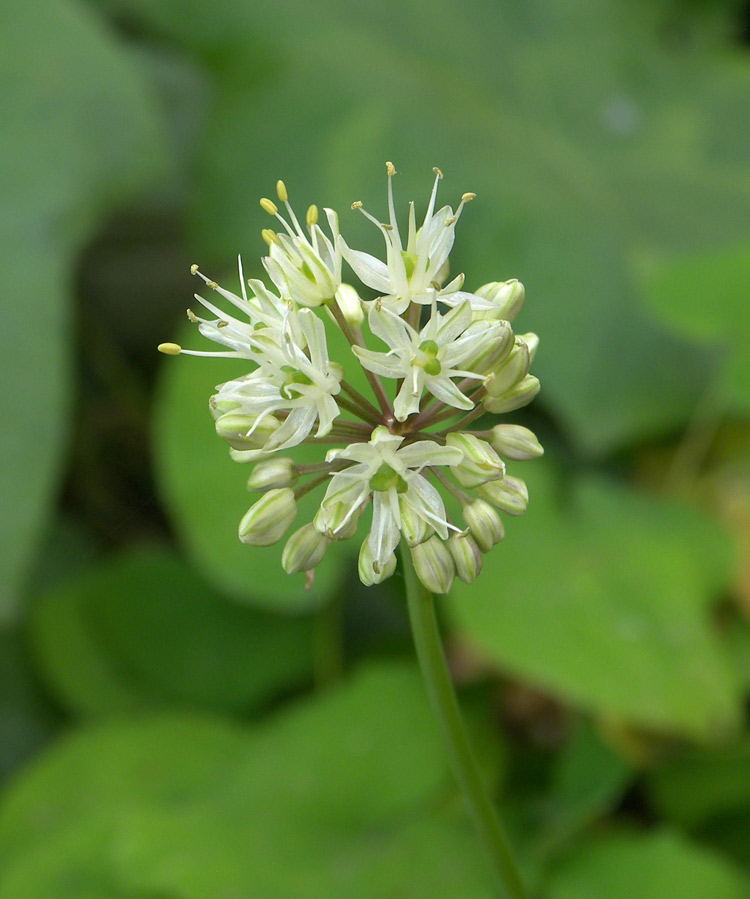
x: 385, y: 478
x: 427, y: 359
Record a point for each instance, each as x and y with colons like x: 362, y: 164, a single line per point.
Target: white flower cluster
x: 436, y: 358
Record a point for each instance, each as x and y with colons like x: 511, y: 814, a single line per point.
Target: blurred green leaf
x: 334, y: 799
x: 205, y: 492
x: 605, y: 603
x: 79, y: 136
x: 142, y: 629
x: 661, y: 865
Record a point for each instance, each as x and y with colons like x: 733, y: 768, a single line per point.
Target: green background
x: 179, y: 719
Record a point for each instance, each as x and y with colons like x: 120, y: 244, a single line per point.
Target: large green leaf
x: 606, y: 603
x: 143, y: 630
x: 79, y: 135
x: 588, y: 137
x: 335, y: 799
x: 661, y: 865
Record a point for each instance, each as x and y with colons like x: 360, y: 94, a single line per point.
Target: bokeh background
x: 181, y: 720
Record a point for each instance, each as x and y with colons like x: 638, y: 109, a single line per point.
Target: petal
x: 391, y: 329
x: 295, y: 428
x: 427, y: 452
x: 368, y: 269
x: 447, y: 392
x: 381, y: 363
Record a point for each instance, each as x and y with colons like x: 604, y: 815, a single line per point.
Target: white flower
x: 289, y: 379
x: 430, y: 358
x: 391, y: 475
x: 306, y: 269
x: 413, y: 274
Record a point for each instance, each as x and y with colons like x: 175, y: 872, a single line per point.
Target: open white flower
x: 390, y: 474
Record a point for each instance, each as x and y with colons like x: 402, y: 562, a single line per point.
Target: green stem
x: 444, y: 704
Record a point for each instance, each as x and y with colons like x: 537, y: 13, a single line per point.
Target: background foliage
x: 181, y: 719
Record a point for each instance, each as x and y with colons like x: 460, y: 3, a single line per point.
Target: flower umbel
x: 435, y: 358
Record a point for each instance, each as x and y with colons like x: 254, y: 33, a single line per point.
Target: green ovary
x: 385, y: 478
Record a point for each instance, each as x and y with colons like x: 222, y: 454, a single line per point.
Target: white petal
x: 368, y: 269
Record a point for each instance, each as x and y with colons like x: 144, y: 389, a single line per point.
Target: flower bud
x: 495, y: 350
x: 466, y: 556
x: 350, y: 304
x: 532, y: 342
x: 337, y: 521
x: 304, y: 549
x: 480, y: 462
x: 516, y: 442
x: 366, y: 566
x: 267, y: 520
x: 434, y: 564
x: 484, y: 523
x: 234, y: 428
x: 507, y: 295
x: 274, y: 472
x: 218, y: 405
x: 414, y: 528
x: 520, y: 395
x: 510, y: 372
x: 509, y: 495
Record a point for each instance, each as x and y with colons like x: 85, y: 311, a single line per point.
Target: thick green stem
x: 442, y: 697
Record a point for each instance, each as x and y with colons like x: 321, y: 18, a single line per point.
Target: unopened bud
x: 337, y: 521
x: 271, y: 473
x: 370, y: 572
x: 480, y: 462
x: 516, y: 442
x: 267, y: 521
x: 509, y: 495
x: 484, y: 523
x: 515, y: 398
x: 510, y: 372
x: 434, y: 564
x: 235, y: 429
x: 304, y: 549
x: 413, y: 527
x: 508, y: 297
x: 494, y: 351
x: 466, y: 556
x: 532, y: 342
x: 347, y: 299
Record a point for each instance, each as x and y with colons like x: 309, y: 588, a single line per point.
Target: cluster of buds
x: 436, y: 358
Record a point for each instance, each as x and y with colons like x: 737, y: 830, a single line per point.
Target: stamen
x: 269, y: 206
x: 312, y: 216
x: 468, y: 197
x: 437, y: 171
x: 390, y: 168
x: 242, y: 278
x: 269, y: 236
x: 212, y: 284
x: 194, y: 269
x: 170, y: 349
x: 357, y: 204
x: 192, y: 316
x: 281, y: 191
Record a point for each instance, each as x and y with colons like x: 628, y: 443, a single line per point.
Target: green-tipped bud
x: 219, y: 406
x: 509, y: 495
x: 532, y: 342
x: 496, y: 352
x: 484, y: 524
x: 434, y: 564
x: 267, y: 521
x: 235, y: 429
x: 337, y: 521
x: 413, y: 527
x: 514, y: 369
x: 270, y: 473
x: 508, y: 297
x: 516, y: 442
x: 515, y: 398
x: 369, y: 572
x: 348, y: 301
x: 304, y: 549
x: 480, y: 462
x: 466, y: 556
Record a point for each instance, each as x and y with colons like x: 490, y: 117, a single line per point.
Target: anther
x: 312, y: 216
x: 386, y: 227
x: 192, y: 316
x: 170, y: 349
x: 221, y: 324
x: 467, y: 198
x: 269, y: 236
x: 281, y: 191
x: 451, y: 220
x: 269, y: 206
x: 212, y: 284
x: 437, y: 171
x: 194, y: 269
x: 390, y: 168
x: 357, y: 204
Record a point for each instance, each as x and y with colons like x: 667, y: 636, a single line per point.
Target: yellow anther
x: 390, y: 168
x: 194, y: 269
x: 269, y: 206
x: 312, y: 216
x: 212, y: 284
x: 467, y: 198
x: 221, y: 324
x: 437, y: 171
x: 192, y: 316
x: 451, y: 220
x: 269, y: 236
x: 386, y: 226
x: 170, y: 349
x: 357, y: 204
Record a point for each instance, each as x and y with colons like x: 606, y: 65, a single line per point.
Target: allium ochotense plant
x: 436, y: 358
